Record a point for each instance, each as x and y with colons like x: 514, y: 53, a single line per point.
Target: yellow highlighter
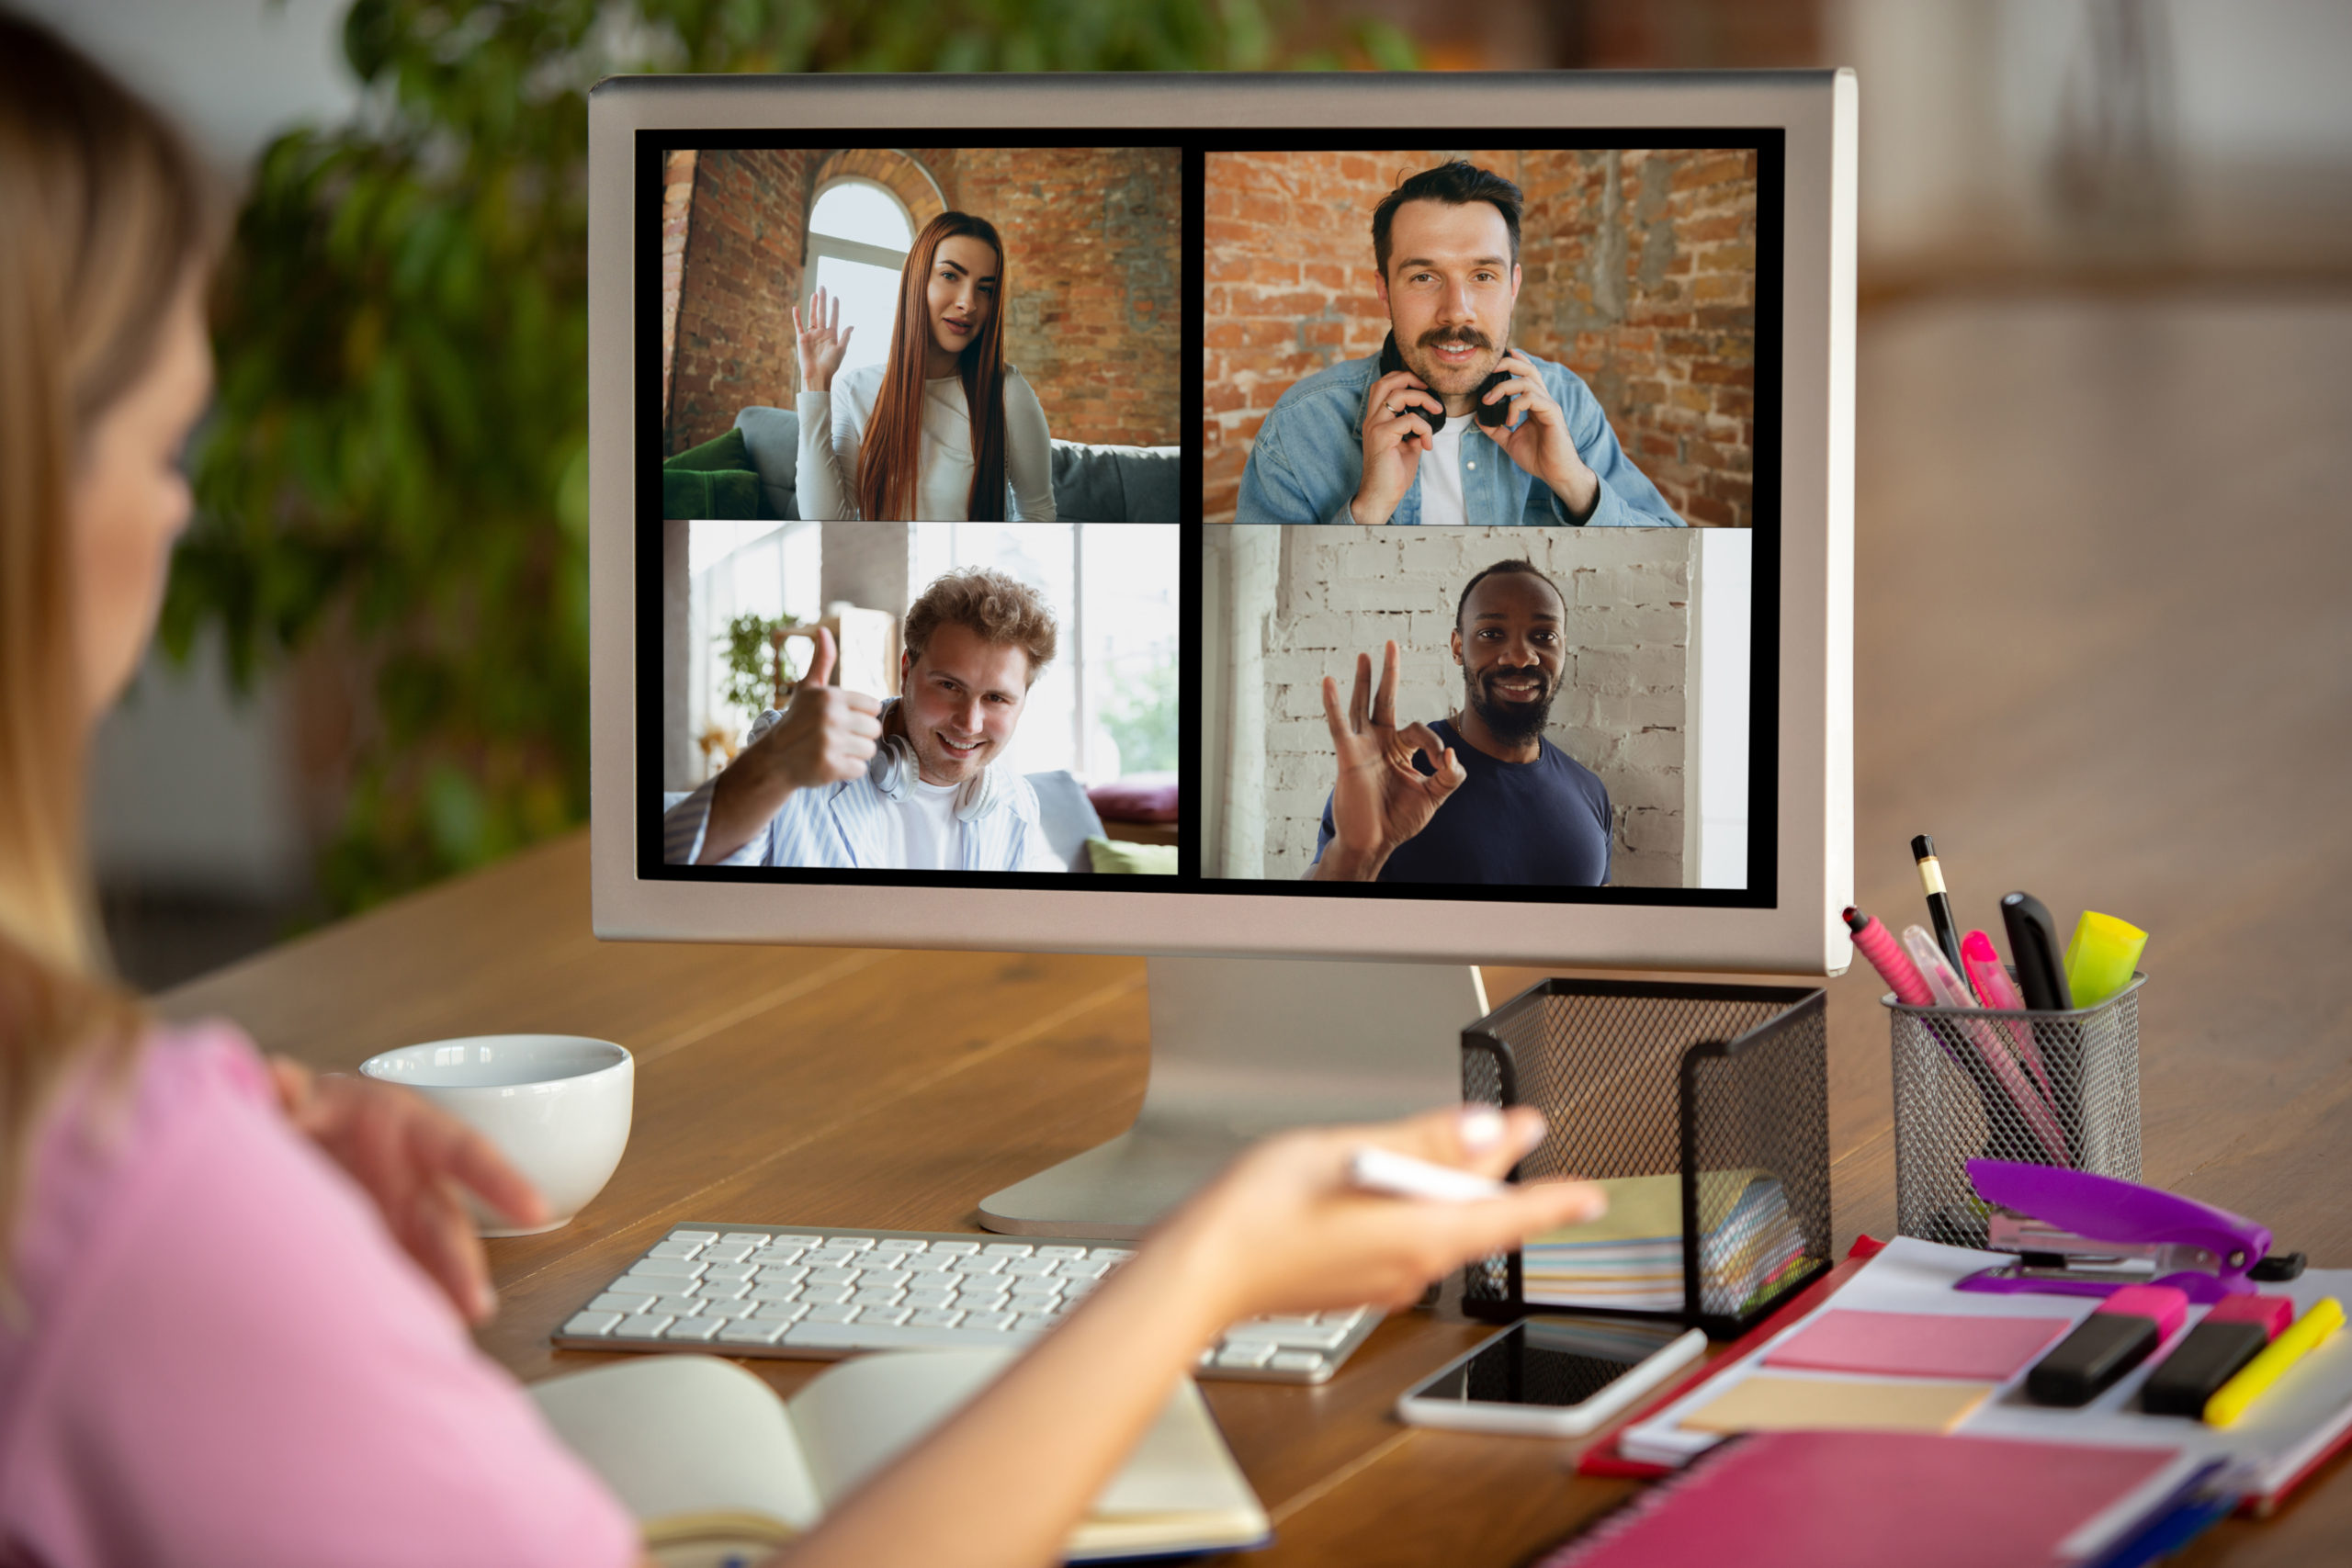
x: 2254, y: 1380
x: 2102, y: 957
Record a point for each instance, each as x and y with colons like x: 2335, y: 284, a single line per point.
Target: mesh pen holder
x: 2060, y: 1089
x: 1724, y: 1086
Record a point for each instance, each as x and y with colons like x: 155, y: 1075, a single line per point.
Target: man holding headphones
x: 841, y: 780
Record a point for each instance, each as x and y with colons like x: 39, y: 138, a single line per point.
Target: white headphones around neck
x: 894, y: 769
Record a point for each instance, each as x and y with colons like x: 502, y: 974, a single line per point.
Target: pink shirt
x: 225, y: 1359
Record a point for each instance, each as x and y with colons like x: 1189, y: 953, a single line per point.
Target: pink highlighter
x: 1951, y: 991
x: 1995, y: 989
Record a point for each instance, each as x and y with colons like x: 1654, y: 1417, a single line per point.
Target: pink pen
x: 1949, y: 991
x: 1996, y: 990
x: 1901, y: 977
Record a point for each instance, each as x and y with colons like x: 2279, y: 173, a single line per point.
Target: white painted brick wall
x: 1621, y: 709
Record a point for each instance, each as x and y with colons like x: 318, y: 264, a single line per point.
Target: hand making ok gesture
x: 1380, y: 799
x: 822, y: 342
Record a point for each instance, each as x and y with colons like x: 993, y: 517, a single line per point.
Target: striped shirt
x: 846, y: 827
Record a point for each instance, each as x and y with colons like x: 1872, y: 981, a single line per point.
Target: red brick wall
x: 1095, y: 270
x: 1094, y: 236
x: 677, y: 202
x: 1637, y: 272
x: 744, y: 242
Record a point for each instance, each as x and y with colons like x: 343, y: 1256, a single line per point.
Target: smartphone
x: 1551, y: 1377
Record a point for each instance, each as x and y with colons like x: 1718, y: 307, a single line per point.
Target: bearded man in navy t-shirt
x: 1481, y: 796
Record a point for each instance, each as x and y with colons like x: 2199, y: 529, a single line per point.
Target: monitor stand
x: 1245, y: 1046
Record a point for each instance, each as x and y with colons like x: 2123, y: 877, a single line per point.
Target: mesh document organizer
x: 1724, y: 1086
x: 1952, y: 1106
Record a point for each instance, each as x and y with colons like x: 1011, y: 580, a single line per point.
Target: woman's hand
x: 412, y: 1158
x: 823, y: 341
x: 1284, y: 1231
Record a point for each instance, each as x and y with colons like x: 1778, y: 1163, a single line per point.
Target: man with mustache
x: 1355, y: 444
x: 840, y: 779
x: 1481, y: 796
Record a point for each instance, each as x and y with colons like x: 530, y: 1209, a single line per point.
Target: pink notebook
x: 1919, y: 1344
x: 1871, y: 1499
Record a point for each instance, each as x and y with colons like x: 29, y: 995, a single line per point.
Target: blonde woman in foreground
x: 233, y: 1300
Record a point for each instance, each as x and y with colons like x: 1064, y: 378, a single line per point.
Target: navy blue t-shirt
x: 1544, y: 822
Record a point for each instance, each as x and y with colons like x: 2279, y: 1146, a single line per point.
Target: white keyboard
x: 810, y: 1293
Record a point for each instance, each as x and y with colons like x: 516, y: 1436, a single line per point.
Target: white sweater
x: 827, y: 481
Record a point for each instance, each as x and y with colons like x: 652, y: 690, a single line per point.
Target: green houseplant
x: 393, y: 485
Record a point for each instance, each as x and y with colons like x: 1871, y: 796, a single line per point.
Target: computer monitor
x: 1191, y: 354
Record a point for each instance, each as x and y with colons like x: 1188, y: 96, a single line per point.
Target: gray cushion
x: 773, y: 438
x: 1069, y: 816
x: 1091, y: 484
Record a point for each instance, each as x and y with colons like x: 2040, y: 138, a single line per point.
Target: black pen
x: 1932, y: 879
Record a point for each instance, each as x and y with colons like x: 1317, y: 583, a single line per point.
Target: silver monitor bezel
x: 1801, y: 934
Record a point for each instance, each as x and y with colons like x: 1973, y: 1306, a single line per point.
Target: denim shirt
x: 1308, y: 459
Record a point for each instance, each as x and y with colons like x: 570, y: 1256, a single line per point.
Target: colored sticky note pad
x: 1764, y: 1402
x: 1919, y: 1344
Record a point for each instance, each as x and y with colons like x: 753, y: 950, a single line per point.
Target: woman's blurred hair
x: 889, y: 462
x: 103, y: 225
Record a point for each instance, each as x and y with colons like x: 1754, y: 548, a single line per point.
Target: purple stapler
x: 2079, y: 1235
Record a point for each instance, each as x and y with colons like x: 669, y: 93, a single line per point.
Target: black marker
x: 1931, y: 880
x: 2033, y: 948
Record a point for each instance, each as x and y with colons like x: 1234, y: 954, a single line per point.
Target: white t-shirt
x: 922, y: 834
x: 1440, y: 475
x: 827, y: 477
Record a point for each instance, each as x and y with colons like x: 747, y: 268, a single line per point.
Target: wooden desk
x: 2105, y: 654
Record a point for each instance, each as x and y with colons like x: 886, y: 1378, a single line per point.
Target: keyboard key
x: 1061, y: 1252
x: 1245, y: 1355
x: 929, y: 1301
x: 781, y: 1312
x: 995, y: 1322
x: 746, y: 1238
x: 982, y: 1301
x: 1290, y: 1335
x: 834, y: 1275
x: 770, y: 1256
x: 729, y: 1251
x: 593, y: 1322
x: 665, y: 1268
x: 642, y: 1326
x: 781, y: 1291
x: 882, y: 1279
x: 1295, y: 1362
x: 1084, y: 1267
x: 928, y: 1262
x: 1034, y: 1322
x: 622, y: 1302
x: 855, y: 1243
x: 796, y: 1241
x: 885, y: 1336
x: 825, y: 1295
x: 729, y: 1310
x: 933, y: 1317
x: 827, y: 1256
x: 729, y: 1271
x: 889, y: 1313
x: 752, y: 1331
x: 901, y: 1244
x: 1347, y: 1318
x: 1007, y: 1249
x: 1112, y: 1254
x: 696, y: 1328
x: 1028, y: 1265
x: 675, y: 1248
x: 1030, y: 1287
x: 782, y: 1274
x: 956, y: 1248
x: 1077, y: 1288
x: 723, y: 1291
x: 978, y: 1265
x: 677, y: 1306
x: 876, y: 1298
x: 697, y: 1238
x: 830, y: 1312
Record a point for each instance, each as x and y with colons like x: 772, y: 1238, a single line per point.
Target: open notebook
x: 714, y: 1465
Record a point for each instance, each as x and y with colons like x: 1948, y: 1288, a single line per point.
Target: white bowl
x: 556, y: 1105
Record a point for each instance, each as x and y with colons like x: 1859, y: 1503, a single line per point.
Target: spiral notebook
x: 1867, y: 1499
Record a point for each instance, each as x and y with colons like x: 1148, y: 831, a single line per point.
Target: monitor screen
x: 1255, y: 539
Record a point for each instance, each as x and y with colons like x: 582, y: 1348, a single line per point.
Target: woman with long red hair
x: 944, y: 429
